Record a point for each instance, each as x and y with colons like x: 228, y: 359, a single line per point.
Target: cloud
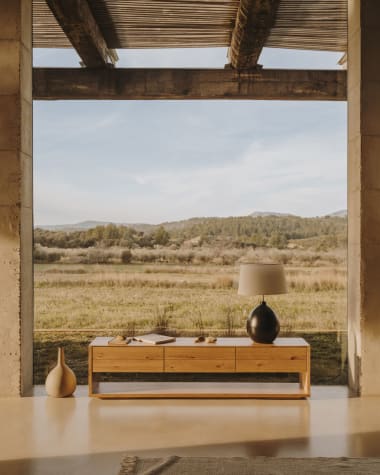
x: 302, y: 175
x: 163, y: 160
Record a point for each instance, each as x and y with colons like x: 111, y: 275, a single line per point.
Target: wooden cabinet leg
x: 93, y: 383
x: 90, y: 373
x: 304, y: 379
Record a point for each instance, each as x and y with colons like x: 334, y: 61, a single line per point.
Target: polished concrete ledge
x: 84, y: 435
x: 332, y: 392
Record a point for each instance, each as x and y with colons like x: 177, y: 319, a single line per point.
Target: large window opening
x: 144, y: 211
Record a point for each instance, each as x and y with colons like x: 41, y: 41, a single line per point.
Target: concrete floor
x: 40, y: 435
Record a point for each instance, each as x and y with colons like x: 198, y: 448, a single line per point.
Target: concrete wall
x: 364, y: 196
x: 16, y: 211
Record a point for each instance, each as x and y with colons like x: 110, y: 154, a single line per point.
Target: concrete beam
x: 164, y: 84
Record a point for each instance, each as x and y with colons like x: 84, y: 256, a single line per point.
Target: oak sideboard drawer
x: 199, y: 360
x: 269, y: 359
x: 128, y: 359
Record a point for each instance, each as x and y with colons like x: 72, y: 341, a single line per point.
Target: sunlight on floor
x: 88, y: 435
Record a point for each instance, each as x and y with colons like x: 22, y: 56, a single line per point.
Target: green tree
x: 278, y: 240
x: 111, y: 232
x: 161, y: 236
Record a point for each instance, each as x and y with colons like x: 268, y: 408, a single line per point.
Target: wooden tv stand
x: 227, y: 355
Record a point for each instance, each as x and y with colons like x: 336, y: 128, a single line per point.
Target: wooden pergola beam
x: 79, y: 25
x: 254, y: 20
x: 150, y: 84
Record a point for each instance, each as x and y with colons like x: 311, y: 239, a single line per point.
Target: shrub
x: 42, y: 256
x: 162, y: 318
x: 126, y: 256
x: 229, y: 322
x: 198, y: 323
x: 98, y: 256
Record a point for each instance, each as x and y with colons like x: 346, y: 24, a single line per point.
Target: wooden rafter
x: 254, y: 20
x: 130, y: 84
x: 81, y: 28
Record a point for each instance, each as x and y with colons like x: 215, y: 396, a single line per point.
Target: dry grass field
x: 74, y: 302
x: 180, y: 298
x: 181, y: 278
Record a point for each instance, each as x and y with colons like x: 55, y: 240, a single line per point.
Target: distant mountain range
x: 74, y: 227
x: 257, y: 214
x: 84, y: 225
x: 342, y: 213
x: 339, y: 214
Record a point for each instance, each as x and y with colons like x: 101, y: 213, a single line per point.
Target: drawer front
x: 199, y: 360
x: 127, y: 359
x: 202, y: 352
x: 270, y: 359
x: 199, y: 366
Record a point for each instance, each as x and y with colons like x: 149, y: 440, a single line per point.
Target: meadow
x: 181, y: 277
x: 180, y: 298
x: 75, y: 302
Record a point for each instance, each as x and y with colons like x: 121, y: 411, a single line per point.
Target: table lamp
x: 262, y: 279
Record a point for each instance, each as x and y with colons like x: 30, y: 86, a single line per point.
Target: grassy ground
x: 180, y: 298
x: 74, y: 303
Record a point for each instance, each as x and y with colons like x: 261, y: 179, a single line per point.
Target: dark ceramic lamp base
x: 262, y: 324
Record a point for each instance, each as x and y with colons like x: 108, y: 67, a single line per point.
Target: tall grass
x: 193, y: 297
x: 299, y: 279
x: 321, y: 279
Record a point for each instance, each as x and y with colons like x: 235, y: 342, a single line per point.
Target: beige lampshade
x: 262, y: 279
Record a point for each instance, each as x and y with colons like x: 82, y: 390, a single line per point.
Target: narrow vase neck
x: 61, y: 356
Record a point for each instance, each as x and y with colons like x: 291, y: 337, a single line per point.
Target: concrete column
x: 364, y: 196
x: 16, y: 198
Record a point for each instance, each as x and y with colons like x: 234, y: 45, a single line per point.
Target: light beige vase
x: 61, y: 380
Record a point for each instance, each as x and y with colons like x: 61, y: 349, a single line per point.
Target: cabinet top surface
x: 221, y: 342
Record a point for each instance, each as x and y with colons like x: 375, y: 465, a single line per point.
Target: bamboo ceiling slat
x: 300, y: 24
x: 310, y: 24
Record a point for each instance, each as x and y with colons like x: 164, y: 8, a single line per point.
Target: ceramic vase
x: 61, y: 380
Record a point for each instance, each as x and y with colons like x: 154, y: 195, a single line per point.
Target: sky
x: 157, y: 161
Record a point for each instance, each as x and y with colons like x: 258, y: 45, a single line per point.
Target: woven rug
x: 248, y: 466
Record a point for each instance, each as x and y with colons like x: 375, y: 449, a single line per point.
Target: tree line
x: 261, y: 231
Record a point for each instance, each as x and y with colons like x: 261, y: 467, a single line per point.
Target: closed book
x: 154, y: 339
